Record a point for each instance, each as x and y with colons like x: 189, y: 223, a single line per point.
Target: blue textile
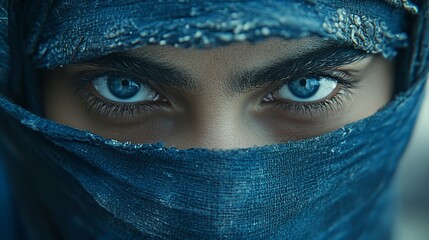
x: 6, y: 215
x: 329, y: 187
x: 72, y: 184
x: 4, y: 50
x: 110, y: 26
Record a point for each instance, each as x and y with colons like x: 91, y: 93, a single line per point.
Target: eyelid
x: 87, y: 76
x: 345, y: 81
x: 357, y: 66
x: 342, y: 77
x: 110, y: 109
x: 307, y: 110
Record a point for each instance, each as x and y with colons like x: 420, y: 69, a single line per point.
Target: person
x: 208, y: 119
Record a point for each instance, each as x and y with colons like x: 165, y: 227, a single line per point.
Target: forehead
x: 238, y: 55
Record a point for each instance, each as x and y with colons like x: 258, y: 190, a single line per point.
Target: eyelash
x: 115, y: 110
x: 109, y: 109
x: 346, y: 83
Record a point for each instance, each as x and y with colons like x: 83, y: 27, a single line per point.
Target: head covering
x: 74, y: 184
x: 4, y: 55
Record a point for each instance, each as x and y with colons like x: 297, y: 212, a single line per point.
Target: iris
x: 123, y: 88
x: 304, y: 88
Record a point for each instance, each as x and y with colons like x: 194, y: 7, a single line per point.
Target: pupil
x: 123, y: 88
x: 125, y: 83
x: 303, y: 82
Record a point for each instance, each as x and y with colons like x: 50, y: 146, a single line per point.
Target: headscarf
x: 74, y: 184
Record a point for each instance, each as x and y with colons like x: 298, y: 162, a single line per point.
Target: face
x: 241, y: 95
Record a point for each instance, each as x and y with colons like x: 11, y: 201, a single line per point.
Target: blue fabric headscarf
x: 72, y: 184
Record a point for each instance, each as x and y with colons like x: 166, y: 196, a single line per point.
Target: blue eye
x: 123, y: 89
x: 307, y: 89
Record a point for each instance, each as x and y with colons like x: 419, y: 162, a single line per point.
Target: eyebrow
x: 312, y: 62
x: 145, y: 68
x: 309, y: 64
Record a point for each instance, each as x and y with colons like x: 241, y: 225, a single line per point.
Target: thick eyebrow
x: 309, y: 64
x: 145, y: 68
x: 314, y: 62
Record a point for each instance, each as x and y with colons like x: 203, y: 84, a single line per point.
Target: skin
x: 212, y: 116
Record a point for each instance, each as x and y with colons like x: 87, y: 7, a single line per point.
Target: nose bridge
x: 217, y: 119
x: 216, y: 123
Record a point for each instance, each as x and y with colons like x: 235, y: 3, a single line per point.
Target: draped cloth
x: 74, y: 184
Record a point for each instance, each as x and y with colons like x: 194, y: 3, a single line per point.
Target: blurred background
x: 412, y: 179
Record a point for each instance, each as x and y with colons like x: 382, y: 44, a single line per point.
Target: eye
x: 307, y: 89
x: 123, y: 89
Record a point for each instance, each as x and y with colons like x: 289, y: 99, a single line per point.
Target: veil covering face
x: 73, y: 184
